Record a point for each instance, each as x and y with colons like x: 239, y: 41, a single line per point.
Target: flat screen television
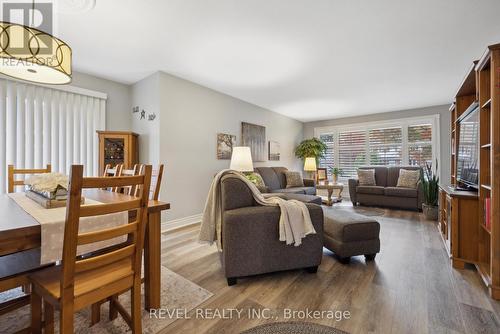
x: 468, y: 148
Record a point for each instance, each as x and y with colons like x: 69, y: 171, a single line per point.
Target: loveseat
x: 250, y: 236
x: 275, y: 181
x: 385, y: 193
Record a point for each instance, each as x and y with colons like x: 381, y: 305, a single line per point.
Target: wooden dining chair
x: 136, y: 170
x: 112, y: 172
x: 12, y: 172
x: 81, y: 281
x: 156, y: 177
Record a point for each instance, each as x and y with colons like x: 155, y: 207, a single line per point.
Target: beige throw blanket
x: 294, y: 224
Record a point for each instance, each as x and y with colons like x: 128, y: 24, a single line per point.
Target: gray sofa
x: 250, y: 236
x: 385, y: 193
x: 275, y: 180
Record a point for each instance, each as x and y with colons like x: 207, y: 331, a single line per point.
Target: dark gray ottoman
x: 347, y: 234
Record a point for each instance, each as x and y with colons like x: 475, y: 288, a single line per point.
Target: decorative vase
x: 335, y: 178
x: 431, y: 212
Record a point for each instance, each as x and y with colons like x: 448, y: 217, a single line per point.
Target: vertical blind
x: 41, y: 126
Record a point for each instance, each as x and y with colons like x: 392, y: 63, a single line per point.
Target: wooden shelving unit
x: 488, y: 78
x: 482, y: 244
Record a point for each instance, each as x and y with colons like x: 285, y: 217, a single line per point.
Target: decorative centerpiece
x: 335, y: 171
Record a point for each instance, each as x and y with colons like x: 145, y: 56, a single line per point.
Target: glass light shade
x: 33, y: 55
x: 241, y: 159
x: 310, y: 165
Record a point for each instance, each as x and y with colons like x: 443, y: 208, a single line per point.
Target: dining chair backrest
x: 136, y: 170
x: 129, y: 252
x: 12, y: 172
x: 156, y: 177
x: 110, y: 171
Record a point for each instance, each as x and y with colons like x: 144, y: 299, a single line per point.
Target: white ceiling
x: 307, y: 59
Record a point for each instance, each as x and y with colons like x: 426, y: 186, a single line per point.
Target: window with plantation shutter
x: 420, y: 144
x: 329, y: 159
x: 413, y: 141
x: 352, y: 151
x: 385, y: 146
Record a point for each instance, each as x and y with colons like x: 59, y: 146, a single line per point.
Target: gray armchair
x: 250, y: 236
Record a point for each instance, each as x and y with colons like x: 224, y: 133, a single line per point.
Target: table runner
x: 52, y: 227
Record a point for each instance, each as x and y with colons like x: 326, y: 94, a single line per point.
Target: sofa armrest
x: 353, y: 183
x: 309, y: 183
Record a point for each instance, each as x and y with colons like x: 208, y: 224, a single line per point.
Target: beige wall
x: 118, y: 104
x: 189, y: 118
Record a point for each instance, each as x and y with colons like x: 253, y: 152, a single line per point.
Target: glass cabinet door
x: 114, y: 151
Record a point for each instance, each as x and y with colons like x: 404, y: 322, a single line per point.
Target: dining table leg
x: 152, y: 262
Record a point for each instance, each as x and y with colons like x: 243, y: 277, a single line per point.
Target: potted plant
x: 335, y: 171
x: 313, y: 147
x: 430, y: 185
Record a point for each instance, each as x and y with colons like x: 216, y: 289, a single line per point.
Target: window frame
x: 404, y: 123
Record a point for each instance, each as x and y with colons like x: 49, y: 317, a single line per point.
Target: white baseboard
x: 180, y: 222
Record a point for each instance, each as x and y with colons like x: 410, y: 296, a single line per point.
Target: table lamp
x: 310, y: 166
x: 241, y: 159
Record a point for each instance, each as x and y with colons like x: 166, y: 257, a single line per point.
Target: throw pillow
x: 408, y: 178
x: 366, y: 177
x: 293, y: 179
x: 257, y: 179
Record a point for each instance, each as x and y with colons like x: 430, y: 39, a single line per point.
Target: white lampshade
x: 310, y: 165
x: 241, y: 159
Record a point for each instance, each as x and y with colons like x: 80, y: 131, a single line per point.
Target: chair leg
x: 113, y: 312
x: 136, y: 309
x: 95, y: 316
x: 48, y: 312
x: 66, y: 319
x: 36, y: 314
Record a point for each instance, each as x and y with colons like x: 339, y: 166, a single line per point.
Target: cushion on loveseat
x: 401, y: 192
x: 372, y: 190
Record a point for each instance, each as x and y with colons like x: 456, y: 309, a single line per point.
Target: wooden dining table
x: 21, y: 232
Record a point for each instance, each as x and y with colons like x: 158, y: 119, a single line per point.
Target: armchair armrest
x: 309, y: 183
x: 353, y: 183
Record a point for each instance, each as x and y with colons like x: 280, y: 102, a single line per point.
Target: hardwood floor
x: 409, y: 288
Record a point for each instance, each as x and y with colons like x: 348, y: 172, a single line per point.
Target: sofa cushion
x: 296, y: 190
x: 293, y: 179
x: 408, y: 178
x: 299, y: 197
x: 380, y: 174
x: 345, y: 225
x: 393, y: 174
x: 401, y: 192
x: 270, y: 177
x: 366, y: 177
x: 280, y: 172
x: 372, y: 190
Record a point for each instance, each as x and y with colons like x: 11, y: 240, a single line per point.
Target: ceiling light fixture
x: 33, y: 55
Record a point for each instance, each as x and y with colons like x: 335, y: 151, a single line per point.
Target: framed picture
x: 321, y: 174
x: 274, y: 150
x: 225, y: 143
x: 254, y: 136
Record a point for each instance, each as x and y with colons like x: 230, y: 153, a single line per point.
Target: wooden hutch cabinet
x: 118, y: 147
